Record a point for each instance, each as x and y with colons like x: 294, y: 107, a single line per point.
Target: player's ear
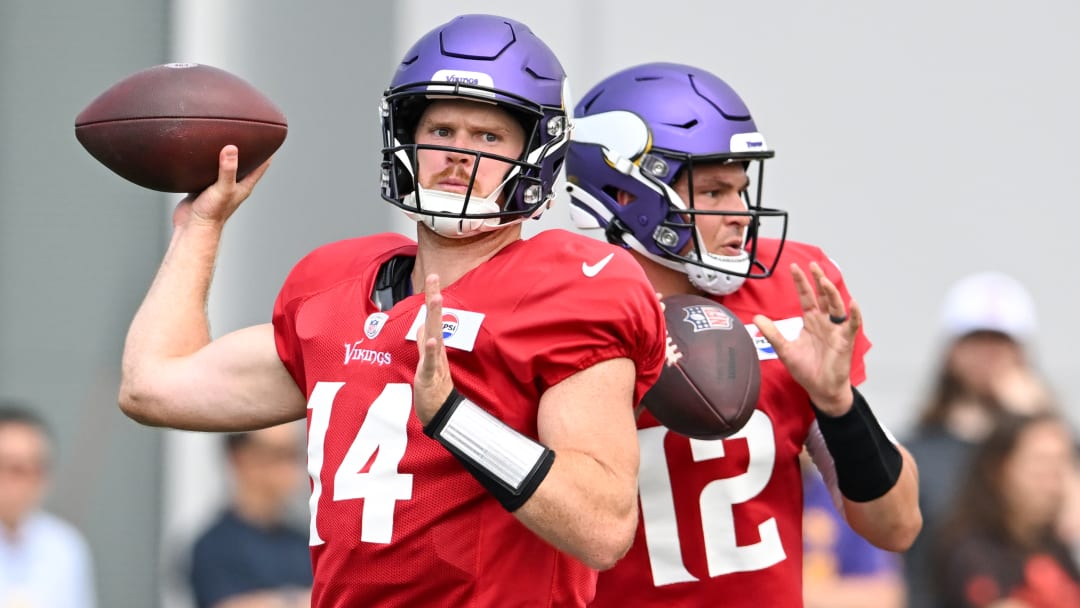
x: 624, y: 198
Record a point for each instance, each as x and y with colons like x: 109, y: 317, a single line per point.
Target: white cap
x: 989, y: 301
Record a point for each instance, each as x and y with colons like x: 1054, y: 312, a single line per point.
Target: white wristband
x: 485, y: 440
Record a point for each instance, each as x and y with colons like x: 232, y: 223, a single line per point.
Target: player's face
x: 717, y: 187
x: 469, y: 125
x: 1035, y: 475
x: 23, y: 470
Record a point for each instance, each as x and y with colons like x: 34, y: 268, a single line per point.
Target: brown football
x: 163, y: 127
x: 709, y: 386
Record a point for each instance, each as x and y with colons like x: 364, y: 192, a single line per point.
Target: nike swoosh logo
x: 593, y: 270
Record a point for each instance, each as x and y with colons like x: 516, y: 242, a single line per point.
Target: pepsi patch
x: 459, y: 327
x: 449, y: 325
x: 789, y: 328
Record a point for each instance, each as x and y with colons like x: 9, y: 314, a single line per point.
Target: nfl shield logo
x: 374, y: 324
x: 704, y: 318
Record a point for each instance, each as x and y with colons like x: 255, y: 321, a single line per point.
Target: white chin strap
x: 716, y: 282
x: 449, y: 202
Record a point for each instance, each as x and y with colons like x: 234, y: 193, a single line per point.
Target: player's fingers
x: 854, y: 319
x: 829, y: 298
x: 421, y: 340
x: 228, y: 161
x: 431, y: 358
x: 431, y: 287
x: 807, y: 298
x: 433, y: 301
x: 217, y: 203
x: 426, y: 333
x: 771, y: 333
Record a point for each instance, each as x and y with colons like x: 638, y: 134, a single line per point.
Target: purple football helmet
x: 488, y: 59
x: 639, y: 131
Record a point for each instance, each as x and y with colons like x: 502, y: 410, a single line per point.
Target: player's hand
x: 432, y: 384
x: 218, y: 202
x: 820, y: 358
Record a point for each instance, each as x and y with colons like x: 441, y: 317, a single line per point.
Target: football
x: 163, y: 127
x: 709, y: 385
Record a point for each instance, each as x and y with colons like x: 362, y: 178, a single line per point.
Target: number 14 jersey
x: 395, y: 519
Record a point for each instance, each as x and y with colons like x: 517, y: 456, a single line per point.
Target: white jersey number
x: 383, y: 436
x: 722, y: 554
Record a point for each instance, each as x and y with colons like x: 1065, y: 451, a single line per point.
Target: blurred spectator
x: 840, y: 568
x: 999, y: 546
x: 44, y: 561
x: 1068, y: 527
x: 988, y: 321
x: 251, y: 557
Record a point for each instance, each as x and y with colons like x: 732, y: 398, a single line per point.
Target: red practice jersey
x: 395, y: 519
x: 721, y: 521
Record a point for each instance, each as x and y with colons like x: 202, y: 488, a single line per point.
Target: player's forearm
x: 893, y: 520
x: 172, y: 320
x: 572, y: 498
x: 576, y: 486
x: 584, y: 509
x: 875, y: 475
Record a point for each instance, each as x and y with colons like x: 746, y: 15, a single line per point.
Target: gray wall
x: 77, y: 247
x: 73, y: 259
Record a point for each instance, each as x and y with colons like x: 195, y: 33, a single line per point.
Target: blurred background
x: 917, y: 142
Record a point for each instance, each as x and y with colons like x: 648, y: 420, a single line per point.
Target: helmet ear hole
x: 621, y: 197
